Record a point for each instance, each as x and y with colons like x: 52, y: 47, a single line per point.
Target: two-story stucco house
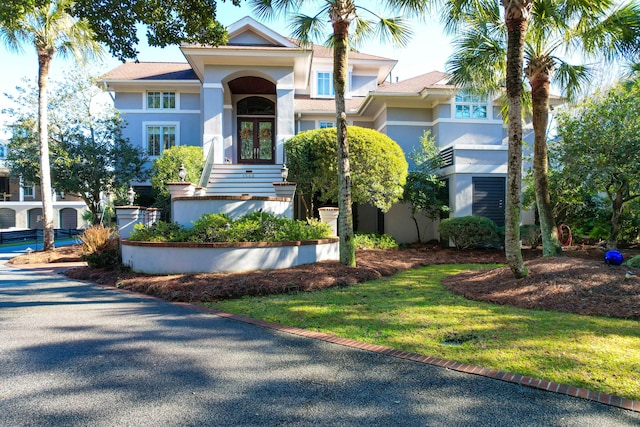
x: 240, y: 102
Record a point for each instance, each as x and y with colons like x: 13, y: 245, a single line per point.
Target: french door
x: 256, y: 140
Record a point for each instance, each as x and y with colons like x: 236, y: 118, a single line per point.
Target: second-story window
x: 470, y: 106
x: 160, y: 138
x: 325, y: 84
x: 161, y: 100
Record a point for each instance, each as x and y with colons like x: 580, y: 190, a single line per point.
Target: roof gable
x: 249, y: 32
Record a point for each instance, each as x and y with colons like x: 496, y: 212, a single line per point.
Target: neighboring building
x: 21, y: 202
x: 240, y: 102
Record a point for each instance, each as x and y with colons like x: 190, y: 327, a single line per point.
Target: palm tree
x: 342, y: 14
x: 556, y: 27
x: 51, y: 30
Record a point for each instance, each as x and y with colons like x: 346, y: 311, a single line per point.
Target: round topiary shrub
x: 470, y: 231
x: 378, y: 165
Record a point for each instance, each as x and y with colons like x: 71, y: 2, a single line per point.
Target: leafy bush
x: 530, y: 235
x: 378, y: 166
x: 634, y: 262
x: 254, y: 227
x: 101, y: 247
x: 470, y: 231
x: 375, y: 241
x: 159, y: 232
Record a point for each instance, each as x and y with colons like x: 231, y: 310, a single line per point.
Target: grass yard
x: 412, y: 311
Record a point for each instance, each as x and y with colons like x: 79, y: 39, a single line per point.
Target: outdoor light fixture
x: 182, y: 172
x: 131, y: 195
x: 284, y: 172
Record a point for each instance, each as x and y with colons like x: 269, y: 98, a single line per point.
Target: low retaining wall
x: 177, y: 258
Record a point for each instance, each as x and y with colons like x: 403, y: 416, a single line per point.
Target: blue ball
x: 613, y: 257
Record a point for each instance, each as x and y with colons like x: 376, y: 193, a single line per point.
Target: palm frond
x: 271, y: 9
x: 308, y: 29
x: 572, y: 78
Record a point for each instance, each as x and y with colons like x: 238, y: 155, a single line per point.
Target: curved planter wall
x: 177, y: 258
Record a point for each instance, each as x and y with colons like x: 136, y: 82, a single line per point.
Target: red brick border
x: 581, y: 393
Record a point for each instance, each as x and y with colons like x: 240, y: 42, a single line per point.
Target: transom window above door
x: 161, y: 100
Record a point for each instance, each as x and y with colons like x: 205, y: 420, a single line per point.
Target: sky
x: 428, y: 50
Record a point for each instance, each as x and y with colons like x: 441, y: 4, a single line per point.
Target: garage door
x: 68, y: 218
x: 35, y: 218
x: 7, y: 218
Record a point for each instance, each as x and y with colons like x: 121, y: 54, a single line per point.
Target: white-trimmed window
x: 325, y: 125
x: 470, y: 106
x: 3, y: 151
x: 324, y: 82
x: 28, y: 190
x: 157, y: 100
x: 160, y: 137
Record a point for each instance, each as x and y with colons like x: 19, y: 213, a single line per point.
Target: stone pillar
x: 329, y: 215
x: 127, y: 217
x: 180, y: 189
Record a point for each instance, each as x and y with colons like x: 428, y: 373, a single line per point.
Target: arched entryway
x: 255, y: 114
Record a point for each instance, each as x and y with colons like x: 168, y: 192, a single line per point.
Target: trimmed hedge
x: 470, y: 231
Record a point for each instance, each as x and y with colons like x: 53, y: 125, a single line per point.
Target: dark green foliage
x: 378, y: 166
x: 159, y: 232
x: 254, y: 227
x: 470, y: 231
x: 375, y: 241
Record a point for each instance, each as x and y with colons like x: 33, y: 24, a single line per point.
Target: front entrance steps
x: 243, y: 180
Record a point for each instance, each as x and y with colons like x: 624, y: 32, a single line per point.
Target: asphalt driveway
x: 77, y: 354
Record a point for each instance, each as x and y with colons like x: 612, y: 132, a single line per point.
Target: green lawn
x: 413, y: 312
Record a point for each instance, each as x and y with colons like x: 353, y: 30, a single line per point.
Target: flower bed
x: 224, y: 257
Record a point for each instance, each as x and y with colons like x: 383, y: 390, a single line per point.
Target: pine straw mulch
x: 578, y: 283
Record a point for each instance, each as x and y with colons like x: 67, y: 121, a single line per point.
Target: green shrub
x: 159, y: 232
x: 254, y: 227
x: 634, y: 262
x: 101, y: 247
x: 374, y: 241
x: 210, y: 228
x: 530, y: 235
x: 470, y: 231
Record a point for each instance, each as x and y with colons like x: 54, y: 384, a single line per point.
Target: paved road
x: 76, y: 354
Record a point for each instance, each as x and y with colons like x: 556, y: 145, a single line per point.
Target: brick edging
x: 523, y: 380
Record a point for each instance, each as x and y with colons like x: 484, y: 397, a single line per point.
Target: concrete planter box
x: 176, y: 258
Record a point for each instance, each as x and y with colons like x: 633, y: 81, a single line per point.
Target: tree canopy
x: 114, y: 21
x: 378, y: 166
x: 599, y: 147
x: 89, y: 156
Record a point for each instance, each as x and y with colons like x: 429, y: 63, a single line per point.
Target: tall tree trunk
x: 539, y: 81
x: 345, y: 220
x: 516, y: 19
x: 44, y: 61
x: 617, y: 202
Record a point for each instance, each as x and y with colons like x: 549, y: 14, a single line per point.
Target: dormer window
x: 161, y: 100
x: 470, y: 106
